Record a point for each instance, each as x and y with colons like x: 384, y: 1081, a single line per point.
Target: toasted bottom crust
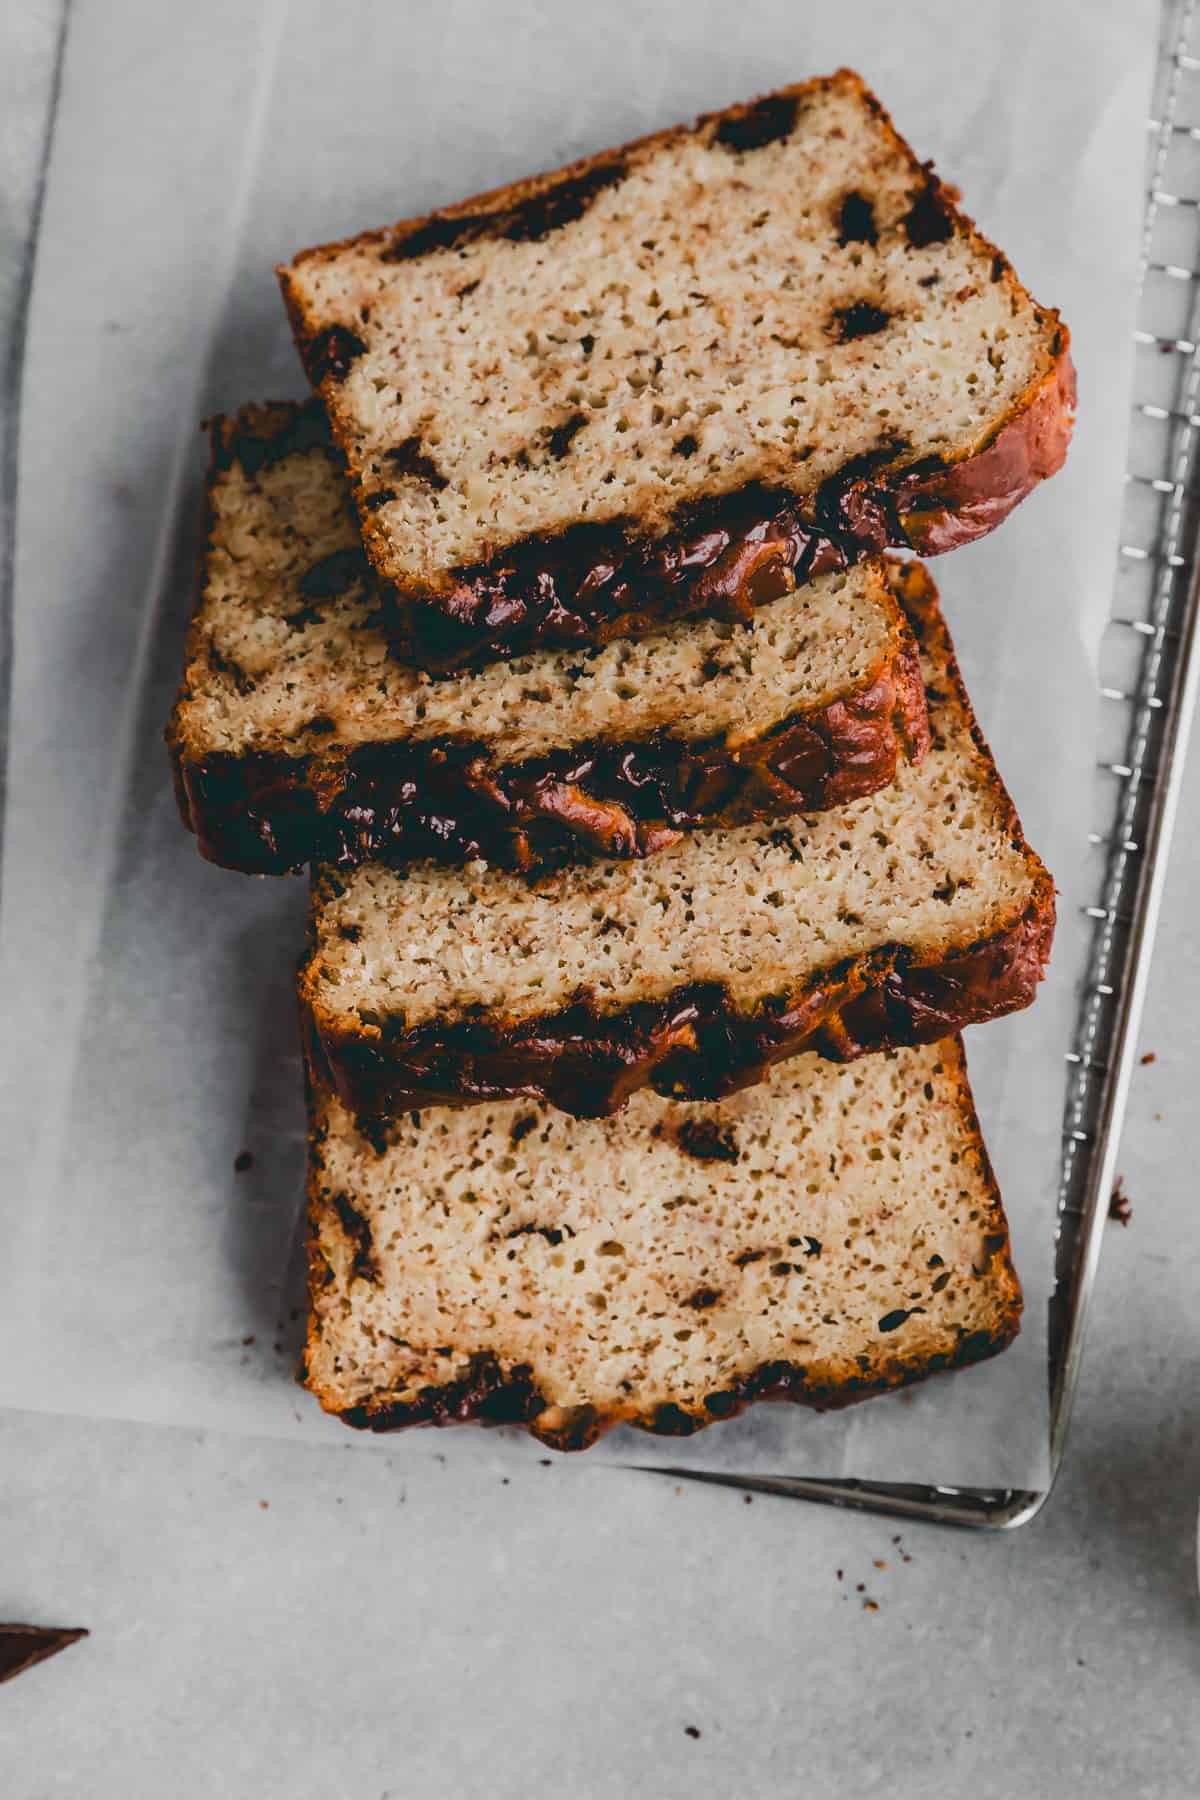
x: 592, y: 584
x: 492, y: 1395
x: 696, y: 1044
x: 272, y: 814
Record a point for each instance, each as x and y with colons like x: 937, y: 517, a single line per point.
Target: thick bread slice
x: 896, y: 920
x: 823, y: 1236
x: 676, y: 374
x: 297, y: 738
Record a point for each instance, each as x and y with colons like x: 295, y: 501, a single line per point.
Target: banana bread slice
x: 826, y: 1235
x: 296, y: 737
x: 676, y: 375
x: 894, y: 920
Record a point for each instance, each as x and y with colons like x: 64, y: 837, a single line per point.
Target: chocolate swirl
x: 451, y: 800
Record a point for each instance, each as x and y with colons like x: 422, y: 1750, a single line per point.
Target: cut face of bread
x: 298, y: 738
x: 825, y: 1235
x: 679, y: 374
x: 894, y: 920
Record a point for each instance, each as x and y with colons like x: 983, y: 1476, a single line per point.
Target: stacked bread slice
x: 826, y: 1234
x: 658, y: 857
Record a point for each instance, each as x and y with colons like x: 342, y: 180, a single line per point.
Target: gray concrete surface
x: 269, y: 1621
x: 558, y: 1629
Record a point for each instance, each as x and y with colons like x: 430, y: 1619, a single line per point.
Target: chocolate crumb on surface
x: 1119, y: 1206
x: 21, y: 1646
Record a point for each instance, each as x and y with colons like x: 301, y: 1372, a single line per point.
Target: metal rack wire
x: 1149, y: 682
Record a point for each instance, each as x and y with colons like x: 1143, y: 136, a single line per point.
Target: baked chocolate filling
x: 272, y: 814
x: 694, y: 1044
x: 592, y: 583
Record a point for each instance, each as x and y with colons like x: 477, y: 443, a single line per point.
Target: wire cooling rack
x: 1150, y: 676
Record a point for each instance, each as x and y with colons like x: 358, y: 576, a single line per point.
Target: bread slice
x: 296, y: 737
x: 895, y: 920
x: 823, y: 1236
x: 677, y: 374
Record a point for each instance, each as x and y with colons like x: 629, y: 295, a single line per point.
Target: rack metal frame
x: 1152, y: 647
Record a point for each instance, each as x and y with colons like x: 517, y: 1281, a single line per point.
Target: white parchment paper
x: 149, y: 1034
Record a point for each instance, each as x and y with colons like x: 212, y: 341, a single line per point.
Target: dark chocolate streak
x: 558, y: 201
x: 694, y: 1044
x: 593, y: 583
x: 271, y: 814
x: 488, y: 1394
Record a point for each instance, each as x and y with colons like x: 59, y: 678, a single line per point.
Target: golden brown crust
x: 696, y: 1042
x: 495, y: 1390
x: 543, y: 590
